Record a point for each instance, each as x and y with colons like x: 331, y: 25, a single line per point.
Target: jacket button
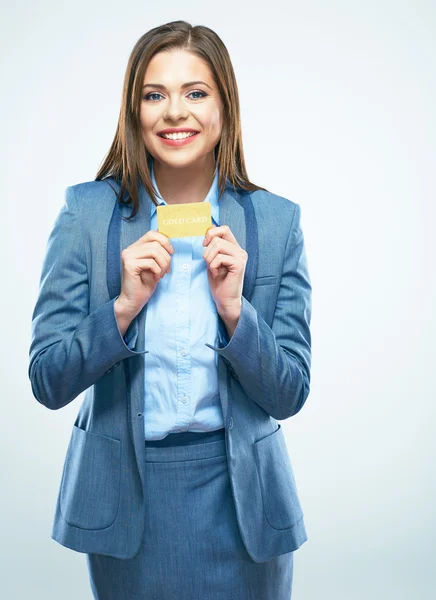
x: 231, y: 423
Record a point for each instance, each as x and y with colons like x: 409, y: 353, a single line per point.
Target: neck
x: 178, y: 185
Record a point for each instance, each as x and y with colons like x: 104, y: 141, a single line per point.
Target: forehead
x: 174, y: 66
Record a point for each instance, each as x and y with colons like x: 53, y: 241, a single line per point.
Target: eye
x: 147, y: 97
x: 203, y: 94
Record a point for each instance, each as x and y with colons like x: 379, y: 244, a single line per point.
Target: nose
x: 175, y: 108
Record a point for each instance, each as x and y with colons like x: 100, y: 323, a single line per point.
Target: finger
x: 230, y: 263
x: 219, y: 244
x: 222, y: 231
x: 154, y: 235
x: 155, y: 251
x: 150, y: 267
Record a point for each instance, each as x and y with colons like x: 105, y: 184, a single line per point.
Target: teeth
x: 177, y: 136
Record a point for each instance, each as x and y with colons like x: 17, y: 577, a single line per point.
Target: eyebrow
x: 185, y: 85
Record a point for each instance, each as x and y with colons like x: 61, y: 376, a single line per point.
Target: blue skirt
x: 192, y: 548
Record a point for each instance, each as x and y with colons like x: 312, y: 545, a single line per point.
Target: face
x: 167, y: 104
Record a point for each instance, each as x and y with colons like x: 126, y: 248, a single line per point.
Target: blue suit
x: 264, y: 370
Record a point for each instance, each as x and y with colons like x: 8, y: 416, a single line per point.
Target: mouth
x: 178, y: 139
x: 178, y: 136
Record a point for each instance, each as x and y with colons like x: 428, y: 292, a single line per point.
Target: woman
x: 177, y: 481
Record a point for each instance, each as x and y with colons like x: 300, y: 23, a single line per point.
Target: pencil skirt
x: 192, y: 548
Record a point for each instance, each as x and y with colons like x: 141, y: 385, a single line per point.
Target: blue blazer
x: 264, y: 370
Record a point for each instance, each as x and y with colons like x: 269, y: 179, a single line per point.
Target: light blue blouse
x: 181, y: 372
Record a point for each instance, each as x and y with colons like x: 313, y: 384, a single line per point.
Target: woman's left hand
x: 226, y: 261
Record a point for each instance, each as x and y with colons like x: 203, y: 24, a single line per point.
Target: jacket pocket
x: 265, y: 280
x: 279, y: 492
x: 90, y: 486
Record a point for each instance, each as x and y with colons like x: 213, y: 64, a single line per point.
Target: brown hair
x: 128, y: 157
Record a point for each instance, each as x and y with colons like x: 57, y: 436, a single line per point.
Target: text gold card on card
x: 181, y: 220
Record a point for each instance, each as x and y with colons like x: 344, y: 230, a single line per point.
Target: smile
x: 177, y: 136
x: 178, y: 139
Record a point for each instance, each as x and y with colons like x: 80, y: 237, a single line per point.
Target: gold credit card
x: 182, y: 220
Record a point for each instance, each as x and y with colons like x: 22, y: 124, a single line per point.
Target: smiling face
x: 167, y: 103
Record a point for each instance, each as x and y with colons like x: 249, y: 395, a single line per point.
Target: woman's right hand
x: 144, y: 263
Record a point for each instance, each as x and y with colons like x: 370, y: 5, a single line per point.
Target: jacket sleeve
x: 71, y: 348
x: 272, y: 364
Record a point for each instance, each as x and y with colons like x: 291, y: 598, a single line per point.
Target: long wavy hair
x: 128, y: 159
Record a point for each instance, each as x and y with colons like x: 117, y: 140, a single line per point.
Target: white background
x: 338, y: 111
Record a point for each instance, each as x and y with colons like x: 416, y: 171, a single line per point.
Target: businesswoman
x: 177, y: 482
